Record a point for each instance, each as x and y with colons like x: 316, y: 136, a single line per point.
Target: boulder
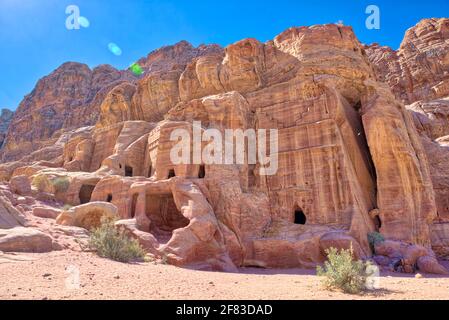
x: 9, y: 215
x: 388, y: 248
x: 340, y: 241
x: 404, y: 257
x: 46, y: 212
x: 22, y: 239
x: 429, y: 264
x: 381, y: 260
x: 148, y: 242
x: 20, y: 185
x: 88, y: 215
x: 413, y: 252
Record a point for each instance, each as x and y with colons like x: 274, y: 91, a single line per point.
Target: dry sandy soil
x: 45, y: 276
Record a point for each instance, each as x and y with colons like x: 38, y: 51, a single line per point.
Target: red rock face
x: 351, y: 157
x: 66, y: 99
x: 5, y: 119
x: 418, y: 74
x: 176, y: 56
x: 419, y: 70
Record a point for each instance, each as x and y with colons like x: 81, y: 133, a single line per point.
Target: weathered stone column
x: 142, y: 221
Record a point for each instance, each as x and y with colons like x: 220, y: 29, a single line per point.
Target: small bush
x: 114, y: 244
x: 375, y: 238
x: 342, y: 272
x: 40, y: 182
x: 61, y: 184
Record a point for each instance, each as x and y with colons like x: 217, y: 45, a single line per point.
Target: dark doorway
x: 251, y: 175
x: 109, y: 198
x: 150, y: 171
x: 300, y: 217
x: 358, y: 106
x: 128, y: 171
x: 171, y: 174
x: 86, y: 193
x: 165, y: 217
x: 202, y: 172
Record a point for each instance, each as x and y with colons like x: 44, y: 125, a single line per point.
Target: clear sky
x: 34, y: 39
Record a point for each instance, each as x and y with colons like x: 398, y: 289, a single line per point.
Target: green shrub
x: 375, y: 238
x: 61, y: 184
x: 342, y: 272
x: 114, y: 244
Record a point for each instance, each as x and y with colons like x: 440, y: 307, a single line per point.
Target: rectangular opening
x: 128, y: 171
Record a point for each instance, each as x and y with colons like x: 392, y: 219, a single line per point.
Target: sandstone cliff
x: 351, y: 158
x: 5, y: 119
x: 66, y: 99
x: 419, y: 69
x: 418, y: 74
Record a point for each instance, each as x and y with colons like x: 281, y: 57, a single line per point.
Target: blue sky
x: 34, y: 40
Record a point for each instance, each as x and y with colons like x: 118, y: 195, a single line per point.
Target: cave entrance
x: 300, y: 217
x: 150, y: 171
x: 171, y: 173
x: 164, y: 216
x: 109, y: 199
x: 202, y: 172
x: 128, y: 171
x: 85, y: 193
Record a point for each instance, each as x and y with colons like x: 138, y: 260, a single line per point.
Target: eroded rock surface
x: 66, y: 99
x: 21, y: 239
x: 418, y: 74
x: 351, y: 158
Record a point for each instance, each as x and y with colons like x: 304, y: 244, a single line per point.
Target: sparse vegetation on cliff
x: 40, y: 182
x: 61, y: 184
x: 375, y: 238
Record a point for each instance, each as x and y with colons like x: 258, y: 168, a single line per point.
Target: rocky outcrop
x: 160, y: 89
x: 21, y: 239
x: 66, y: 99
x: 403, y: 257
x: 10, y: 216
x: 176, y: 56
x: 349, y: 159
x: 6, y: 116
x: 20, y: 185
x: 46, y: 212
x: 87, y: 216
x: 419, y: 70
x: 418, y: 74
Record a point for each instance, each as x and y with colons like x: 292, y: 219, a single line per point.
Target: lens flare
x: 136, y: 69
x: 115, y: 49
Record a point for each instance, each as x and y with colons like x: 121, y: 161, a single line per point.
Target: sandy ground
x: 54, y: 276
